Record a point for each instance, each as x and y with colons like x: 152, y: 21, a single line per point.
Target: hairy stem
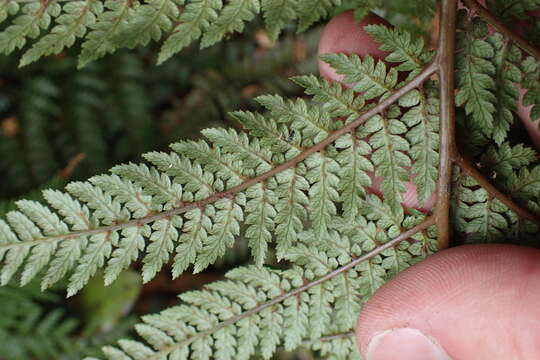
x: 503, y: 29
x: 445, y: 61
x: 418, y: 80
x: 468, y: 167
x: 403, y: 236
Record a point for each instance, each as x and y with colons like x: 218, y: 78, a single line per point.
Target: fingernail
x: 404, y: 344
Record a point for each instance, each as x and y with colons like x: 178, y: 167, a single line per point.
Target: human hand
x: 470, y: 302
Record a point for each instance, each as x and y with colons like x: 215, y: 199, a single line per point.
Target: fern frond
x: 151, y: 20
x: 36, y: 16
x: 314, y: 302
x: 530, y: 83
x: 77, y: 16
x: 310, y: 11
x: 197, y: 199
x: 408, y: 52
x: 196, y: 18
x: 506, y: 61
x: 475, y: 75
x: 506, y: 158
x: 422, y: 120
x: 7, y: 8
x: 366, y: 75
x: 277, y: 14
x: 109, y: 24
x: 231, y: 19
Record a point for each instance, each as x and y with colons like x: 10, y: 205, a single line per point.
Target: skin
x: 476, y: 301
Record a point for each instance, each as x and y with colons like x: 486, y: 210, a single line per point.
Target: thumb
x: 471, y: 302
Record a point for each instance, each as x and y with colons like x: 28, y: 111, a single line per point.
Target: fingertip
x: 343, y: 34
x: 455, y: 295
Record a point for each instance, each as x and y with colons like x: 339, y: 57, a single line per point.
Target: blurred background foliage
x: 59, y: 124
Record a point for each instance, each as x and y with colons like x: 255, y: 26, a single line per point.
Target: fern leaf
x: 226, y: 227
x: 291, y: 212
x: 310, y: 11
x: 483, y: 217
x: 422, y: 121
x: 277, y: 14
x: 408, y: 52
x: 228, y: 171
x: 109, y: 24
x: 196, y: 18
x: 197, y: 182
x: 354, y: 173
x: 286, y: 179
x: 35, y: 17
x: 322, y: 174
x: 507, y: 59
x: 99, y: 248
x: 239, y: 146
x: 231, y: 19
x: 150, y: 21
x: 7, y: 8
x: 475, y: 77
x: 260, y: 220
x: 529, y: 82
x: 365, y: 75
x: 389, y: 156
x: 260, y: 307
x: 72, y: 24
x: 331, y: 96
x: 127, y: 247
x: 506, y: 158
x: 282, y: 142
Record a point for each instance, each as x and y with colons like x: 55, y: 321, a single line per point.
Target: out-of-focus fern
x: 27, y: 332
x: 113, y: 118
x: 38, y: 107
x: 35, y: 325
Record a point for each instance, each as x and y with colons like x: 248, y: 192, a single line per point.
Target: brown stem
x: 403, y: 236
x: 330, y: 337
x: 503, y: 29
x: 418, y: 80
x: 468, y: 167
x: 445, y: 60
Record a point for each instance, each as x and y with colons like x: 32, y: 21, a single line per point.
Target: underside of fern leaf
x: 296, y: 167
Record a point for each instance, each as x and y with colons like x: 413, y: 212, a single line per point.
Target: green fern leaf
x: 7, y: 8
x: 408, y: 52
x: 423, y: 121
x: 475, y: 76
x: 506, y: 61
x: 259, y: 307
x: 231, y: 19
x: 150, y: 21
x: 310, y: 11
x: 332, y: 97
x: 529, y: 82
x: 365, y: 75
x: 277, y: 14
x: 506, y: 158
x: 35, y: 16
x: 109, y: 24
x: 72, y: 24
x: 196, y: 18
